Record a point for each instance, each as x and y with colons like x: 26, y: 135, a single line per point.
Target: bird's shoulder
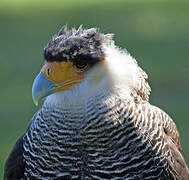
x: 14, y: 166
x: 168, y: 126
x: 172, y: 146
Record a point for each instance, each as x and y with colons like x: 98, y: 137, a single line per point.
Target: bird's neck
x: 66, y: 99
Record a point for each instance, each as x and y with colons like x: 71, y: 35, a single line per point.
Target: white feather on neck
x: 118, y: 74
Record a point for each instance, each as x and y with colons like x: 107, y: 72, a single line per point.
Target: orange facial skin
x: 62, y: 74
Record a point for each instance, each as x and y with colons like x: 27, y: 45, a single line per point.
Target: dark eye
x: 80, y: 64
x: 48, y: 72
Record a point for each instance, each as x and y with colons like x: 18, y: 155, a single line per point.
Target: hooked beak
x: 42, y: 87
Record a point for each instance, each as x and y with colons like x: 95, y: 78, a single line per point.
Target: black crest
x: 70, y: 45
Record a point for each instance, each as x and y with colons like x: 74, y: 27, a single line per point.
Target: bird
x: 96, y: 121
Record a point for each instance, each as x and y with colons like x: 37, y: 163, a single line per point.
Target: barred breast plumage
x: 103, y: 139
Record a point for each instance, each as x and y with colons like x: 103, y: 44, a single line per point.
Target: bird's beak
x: 42, y: 87
x: 54, y: 77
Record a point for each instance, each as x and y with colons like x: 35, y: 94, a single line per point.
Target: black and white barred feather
x: 106, y: 138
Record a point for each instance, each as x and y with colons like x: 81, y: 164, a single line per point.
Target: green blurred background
x: 155, y: 32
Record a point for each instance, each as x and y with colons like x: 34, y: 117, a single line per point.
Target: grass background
x: 155, y: 32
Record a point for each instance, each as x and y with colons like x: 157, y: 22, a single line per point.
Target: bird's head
x: 81, y: 61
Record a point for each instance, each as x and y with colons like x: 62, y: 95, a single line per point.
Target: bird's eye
x: 48, y: 71
x: 80, y: 64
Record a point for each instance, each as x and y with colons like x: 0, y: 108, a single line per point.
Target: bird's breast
x: 96, y: 140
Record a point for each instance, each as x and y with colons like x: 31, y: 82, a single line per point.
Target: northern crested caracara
x: 96, y: 121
